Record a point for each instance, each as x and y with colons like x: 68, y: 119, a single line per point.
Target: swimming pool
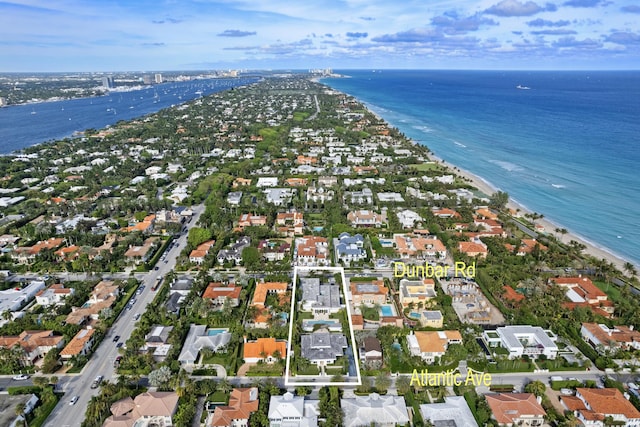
x: 212, y: 332
x: 387, y: 310
x: 414, y: 315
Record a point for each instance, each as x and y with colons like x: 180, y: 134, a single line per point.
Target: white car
x: 73, y: 400
x: 21, y: 377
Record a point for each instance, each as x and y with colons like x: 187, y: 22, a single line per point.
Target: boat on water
x: 523, y: 87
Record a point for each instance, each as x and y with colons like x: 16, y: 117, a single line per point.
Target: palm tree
x: 536, y: 387
x: 19, y: 410
x: 630, y: 268
x: 224, y: 385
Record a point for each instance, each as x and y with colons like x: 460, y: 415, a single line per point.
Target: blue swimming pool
x: 414, y: 315
x: 212, y: 332
x: 387, y: 310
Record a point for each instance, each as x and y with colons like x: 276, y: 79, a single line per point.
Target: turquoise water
x: 386, y: 310
x: 568, y: 148
x: 211, y: 332
x: 414, y: 315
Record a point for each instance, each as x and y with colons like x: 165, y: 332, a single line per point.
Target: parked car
x: 116, y: 338
x: 136, y: 316
x: 117, y: 360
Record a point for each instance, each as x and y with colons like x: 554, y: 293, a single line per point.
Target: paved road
x: 65, y: 415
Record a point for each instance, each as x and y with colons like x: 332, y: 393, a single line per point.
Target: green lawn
x: 612, y: 291
x: 370, y: 313
x: 424, y: 167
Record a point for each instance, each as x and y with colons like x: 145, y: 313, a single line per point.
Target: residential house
x: 322, y: 347
x: 408, y: 218
x: 13, y: 299
x: 267, y: 350
x: 581, y: 292
x: 200, y: 337
x: 319, y: 194
x: 428, y: 318
x: 80, y: 344
x: 350, y: 248
x: 296, y: 182
x: 293, y: 411
x: 610, y: 339
x: 431, y: 344
x: 242, y: 403
x: 27, y: 254
x: 592, y: 405
x: 141, y: 254
x: 473, y: 249
x: 327, y: 181
x: 389, y: 197
x: 367, y: 218
x: 103, y: 296
x: 289, y: 223
x: 265, y: 288
x: 516, y: 409
x: 362, y: 197
x: 152, y: 408
x: 454, y: 411
x: 312, y: 251
x: 369, y: 293
x: 419, y: 246
x: 53, y: 295
x: 526, y: 247
x: 382, y: 411
x: 371, y: 353
x: 34, y: 344
x: 157, y: 341
x: 248, y: 220
x: 199, y: 253
x: 520, y: 340
x: 321, y: 298
x: 274, y: 249
x: 416, y: 291
x: 234, y: 198
x: 264, y: 181
x: 279, y: 196
x: 218, y: 295
x: 144, y: 226
x: 241, y: 182
x: 234, y: 253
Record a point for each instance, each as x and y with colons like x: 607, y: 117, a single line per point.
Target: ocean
x: 567, y: 147
x: 28, y: 124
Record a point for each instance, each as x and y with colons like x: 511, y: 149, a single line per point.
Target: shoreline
x: 549, y: 226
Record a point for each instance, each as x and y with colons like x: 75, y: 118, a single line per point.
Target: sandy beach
x: 549, y: 227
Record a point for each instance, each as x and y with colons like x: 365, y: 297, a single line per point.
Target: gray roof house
x: 174, y: 302
x: 293, y: 411
x: 200, y: 337
x: 235, y: 252
x: 321, y: 298
x: 322, y: 347
x: 383, y: 411
x: 453, y: 412
x: 350, y: 248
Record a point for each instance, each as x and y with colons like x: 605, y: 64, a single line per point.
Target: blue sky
x: 111, y: 35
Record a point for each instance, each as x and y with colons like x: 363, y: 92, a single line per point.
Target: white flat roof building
x: 520, y: 340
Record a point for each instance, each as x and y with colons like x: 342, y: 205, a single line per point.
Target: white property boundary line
x: 356, y: 357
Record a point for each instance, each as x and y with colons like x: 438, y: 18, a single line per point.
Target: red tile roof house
x: 218, y: 294
x: 582, y: 292
x: 34, y: 344
x: 242, y: 403
x: 515, y: 409
x: 198, y: 254
x: 592, y: 405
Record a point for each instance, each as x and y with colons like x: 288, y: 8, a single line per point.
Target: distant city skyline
x: 122, y: 35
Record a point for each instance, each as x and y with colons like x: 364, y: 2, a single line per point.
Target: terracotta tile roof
x: 264, y: 347
x: 511, y: 295
x: 78, y: 342
x: 507, y: 407
x: 242, y: 403
x: 607, y: 401
x: 619, y: 334
x: 51, y: 243
x: 375, y: 287
x: 202, y: 250
x: 262, y: 289
x: 471, y: 248
x: 215, y: 290
x: 436, y: 341
x: 30, y: 340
